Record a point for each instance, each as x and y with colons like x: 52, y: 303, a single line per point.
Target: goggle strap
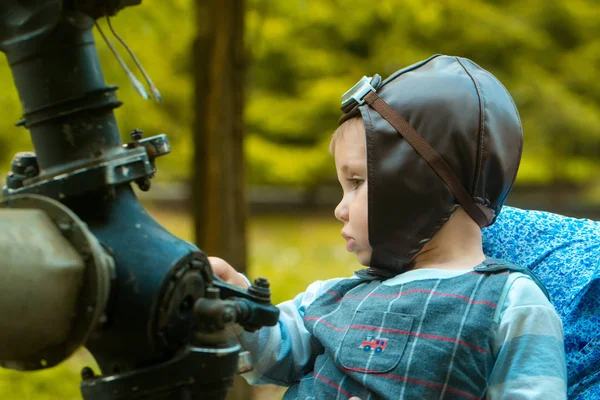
x: 432, y: 157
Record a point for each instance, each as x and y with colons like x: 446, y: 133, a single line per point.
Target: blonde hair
x: 342, y: 129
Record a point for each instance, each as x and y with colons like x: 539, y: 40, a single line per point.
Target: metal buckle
x: 357, y: 93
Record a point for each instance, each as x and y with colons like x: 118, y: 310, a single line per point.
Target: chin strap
x: 432, y: 157
x: 372, y: 273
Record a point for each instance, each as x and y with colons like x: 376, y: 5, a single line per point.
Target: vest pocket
x: 375, y: 341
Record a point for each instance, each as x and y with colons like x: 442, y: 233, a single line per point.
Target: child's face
x: 351, y: 164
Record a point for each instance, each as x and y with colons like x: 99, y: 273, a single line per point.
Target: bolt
x: 87, y: 373
x: 137, y: 135
x: 260, y: 288
x: 25, y: 162
x: 13, y: 181
x: 228, y: 315
x: 261, y: 283
x: 186, y: 305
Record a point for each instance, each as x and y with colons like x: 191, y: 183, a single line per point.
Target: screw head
x: 228, y: 316
x: 24, y: 162
x: 261, y: 283
x: 137, y: 134
x: 13, y: 181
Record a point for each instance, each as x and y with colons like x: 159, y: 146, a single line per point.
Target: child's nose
x: 341, y: 212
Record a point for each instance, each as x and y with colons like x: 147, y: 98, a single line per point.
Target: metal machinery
x: 82, y: 263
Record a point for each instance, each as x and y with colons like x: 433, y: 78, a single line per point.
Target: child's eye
x: 355, y: 182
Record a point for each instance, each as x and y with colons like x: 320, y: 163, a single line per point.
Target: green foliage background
x: 303, y: 54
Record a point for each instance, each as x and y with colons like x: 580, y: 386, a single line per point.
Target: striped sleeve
x: 284, y: 353
x: 527, y: 345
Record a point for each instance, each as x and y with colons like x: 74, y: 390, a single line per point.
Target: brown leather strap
x: 431, y: 156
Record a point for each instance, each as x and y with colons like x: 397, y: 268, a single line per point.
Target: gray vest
x: 421, y: 340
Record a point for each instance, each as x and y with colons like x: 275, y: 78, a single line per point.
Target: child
x: 425, y: 159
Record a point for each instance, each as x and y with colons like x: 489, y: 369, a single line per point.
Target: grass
x: 291, y: 251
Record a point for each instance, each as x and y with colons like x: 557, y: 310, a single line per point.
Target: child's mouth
x: 350, y: 244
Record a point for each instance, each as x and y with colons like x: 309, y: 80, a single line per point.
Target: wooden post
x: 218, y: 184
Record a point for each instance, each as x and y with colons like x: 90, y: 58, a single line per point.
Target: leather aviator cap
x: 441, y: 133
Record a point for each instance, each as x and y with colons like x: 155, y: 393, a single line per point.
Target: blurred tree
x: 218, y: 183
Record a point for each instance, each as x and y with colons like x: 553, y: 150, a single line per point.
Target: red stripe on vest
x: 415, y: 381
x: 399, y: 332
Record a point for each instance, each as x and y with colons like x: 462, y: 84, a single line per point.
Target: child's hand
x: 226, y: 272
